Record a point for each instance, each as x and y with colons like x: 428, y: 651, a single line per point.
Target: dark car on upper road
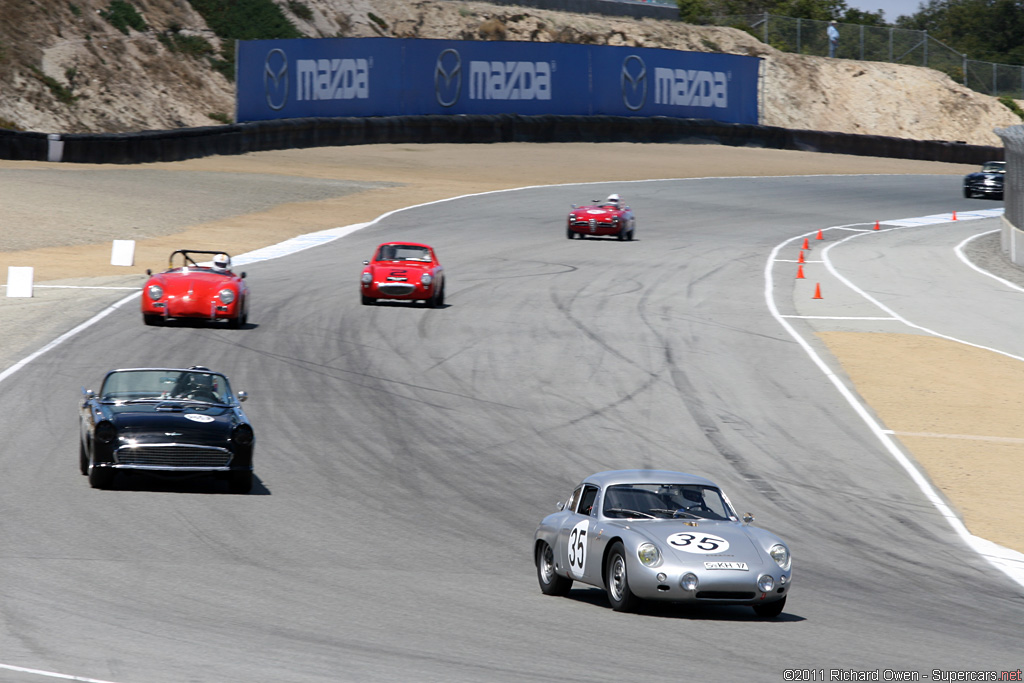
x: 988, y: 182
x: 165, y: 422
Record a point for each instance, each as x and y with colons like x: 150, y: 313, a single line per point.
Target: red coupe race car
x: 200, y: 292
x: 403, y: 270
x: 610, y: 217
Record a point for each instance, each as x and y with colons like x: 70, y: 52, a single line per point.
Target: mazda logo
x: 275, y: 79
x: 634, y: 82
x: 448, y: 77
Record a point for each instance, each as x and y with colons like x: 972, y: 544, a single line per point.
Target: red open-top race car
x: 190, y: 290
x: 405, y: 271
x: 610, y: 217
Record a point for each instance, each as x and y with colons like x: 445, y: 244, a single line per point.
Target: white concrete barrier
x: 123, y: 253
x: 19, y: 281
x: 55, y: 147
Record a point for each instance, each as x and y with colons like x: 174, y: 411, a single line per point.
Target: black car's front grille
x: 172, y: 457
x: 725, y: 595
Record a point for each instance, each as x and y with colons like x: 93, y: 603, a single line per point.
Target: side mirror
x: 242, y: 396
x: 748, y: 517
x: 89, y: 394
x: 149, y: 271
x: 366, y: 263
x: 559, y: 506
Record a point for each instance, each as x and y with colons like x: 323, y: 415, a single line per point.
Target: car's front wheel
x: 367, y: 300
x: 240, y: 481
x: 550, y: 582
x: 771, y: 610
x: 100, y: 477
x: 83, y: 457
x: 152, y: 319
x: 967, y: 193
x: 617, y: 580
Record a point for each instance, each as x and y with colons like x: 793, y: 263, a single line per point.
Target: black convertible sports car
x: 168, y: 422
x: 988, y: 182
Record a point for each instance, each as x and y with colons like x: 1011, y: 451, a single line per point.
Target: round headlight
x: 572, y: 216
x: 649, y: 555
x: 765, y: 583
x: 426, y: 279
x: 780, y: 554
x: 155, y: 292
x: 105, y: 432
x: 366, y: 278
x: 227, y: 295
x: 688, y: 582
x: 243, y: 435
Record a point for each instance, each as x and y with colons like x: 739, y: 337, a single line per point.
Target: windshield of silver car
x: 142, y: 385
x: 666, y: 501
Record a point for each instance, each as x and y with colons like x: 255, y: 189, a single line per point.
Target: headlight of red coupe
x: 227, y: 295
x: 155, y: 292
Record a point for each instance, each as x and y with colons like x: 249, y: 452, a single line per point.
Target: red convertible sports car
x: 201, y: 292
x: 610, y: 217
x: 405, y: 271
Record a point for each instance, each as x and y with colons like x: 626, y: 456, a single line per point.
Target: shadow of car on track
x: 398, y: 303
x: 195, y: 324
x: 175, y: 483
x: 669, y: 610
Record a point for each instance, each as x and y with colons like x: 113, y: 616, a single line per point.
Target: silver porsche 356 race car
x: 657, y: 535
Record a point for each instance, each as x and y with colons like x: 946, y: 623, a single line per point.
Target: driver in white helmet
x: 613, y: 200
x: 222, y: 262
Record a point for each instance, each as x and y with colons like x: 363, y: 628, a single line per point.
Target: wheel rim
x: 617, y: 578
x: 547, y: 564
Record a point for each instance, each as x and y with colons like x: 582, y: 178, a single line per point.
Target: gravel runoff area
x: 60, y: 219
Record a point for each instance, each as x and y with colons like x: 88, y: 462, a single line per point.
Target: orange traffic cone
x: 817, y: 291
x: 954, y: 215
x: 820, y: 236
x: 806, y: 244
x: 801, y: 259
x: 876, y: 226
x: 799, y: 272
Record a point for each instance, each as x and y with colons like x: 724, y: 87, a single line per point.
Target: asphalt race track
x: 405, y: 455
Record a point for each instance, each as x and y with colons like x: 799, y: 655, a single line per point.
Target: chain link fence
x: 880, y: 44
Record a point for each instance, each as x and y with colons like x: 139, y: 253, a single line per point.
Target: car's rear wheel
x: 100, y: 477
x: 771, y: 610
x: 550, y: 582
x: 240, y: 482
x: 617, y: 580
x: 152, y: 319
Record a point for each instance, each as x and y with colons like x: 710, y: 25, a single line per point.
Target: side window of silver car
x: 571, y: 505
x: 587, y: 500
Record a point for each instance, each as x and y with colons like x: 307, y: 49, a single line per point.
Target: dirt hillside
x: 65, y: 68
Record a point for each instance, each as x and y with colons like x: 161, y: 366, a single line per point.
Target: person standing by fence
x: 833, y: 38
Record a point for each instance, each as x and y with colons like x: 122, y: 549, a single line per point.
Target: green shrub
x: 122, y: 16
x: 193, y: 46
x: 377, y: 20
x: 61, y: 92
x: 75, y: 9
x: 220, y: 117
x: 1012, y: 105
x: 235, y: 20
x: 300, y: 9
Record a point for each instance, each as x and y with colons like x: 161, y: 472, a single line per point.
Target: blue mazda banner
x: 326, y: 77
